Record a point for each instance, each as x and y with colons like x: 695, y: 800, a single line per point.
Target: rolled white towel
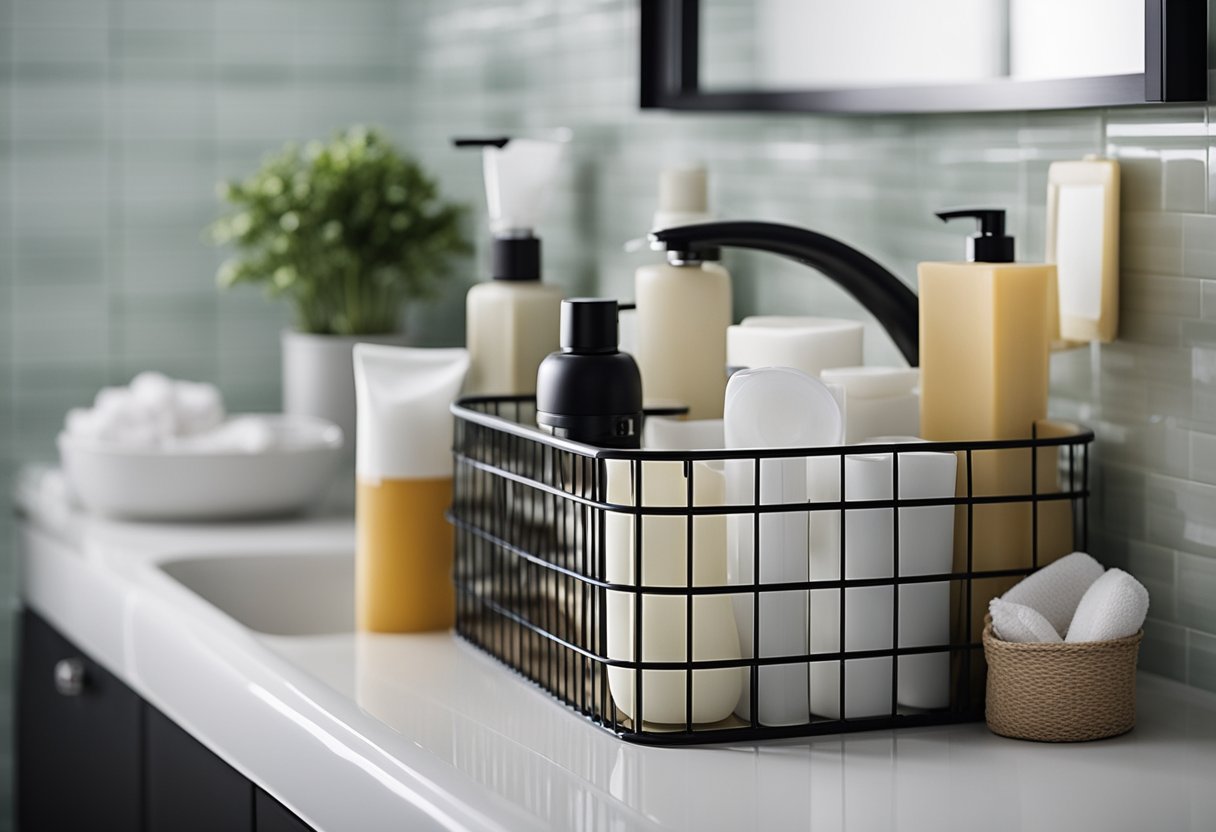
x: 1113, y: 607
x: 1056, y: 589
x: 1020, y: 623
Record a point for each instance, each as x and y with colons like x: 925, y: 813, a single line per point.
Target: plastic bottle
x: 683, y: 308
x: 511, y: 321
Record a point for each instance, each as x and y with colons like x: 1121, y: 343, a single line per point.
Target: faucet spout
x: 885, y: 296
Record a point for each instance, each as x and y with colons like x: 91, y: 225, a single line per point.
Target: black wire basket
x: 623, y: 582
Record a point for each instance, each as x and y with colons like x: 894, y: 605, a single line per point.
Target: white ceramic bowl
x: 203, y: 483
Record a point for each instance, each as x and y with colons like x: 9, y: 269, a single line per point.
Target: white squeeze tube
x: 926, y: 539
x: 665, y: 563
x: 774, y: 407
x: 403, y: 473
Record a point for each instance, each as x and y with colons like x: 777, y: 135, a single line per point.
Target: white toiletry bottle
x: 878, y: 401
x: 511, y: 321
x: 665, y: 549
x: 774, y: 407
x: 683, y: 308
x: 925, y: 548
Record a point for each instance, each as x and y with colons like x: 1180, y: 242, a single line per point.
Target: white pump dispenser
x: 511, y: 321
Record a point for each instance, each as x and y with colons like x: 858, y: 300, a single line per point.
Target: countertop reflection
x: 507, y: 736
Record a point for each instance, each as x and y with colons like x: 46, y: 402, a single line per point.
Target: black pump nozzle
x: 494, y: 141
x: 990, y: 244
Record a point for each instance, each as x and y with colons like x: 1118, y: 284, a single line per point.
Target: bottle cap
x: 990, y: 244
x: 589, y: 325
x: 515, y: 258
x: 683, y: 197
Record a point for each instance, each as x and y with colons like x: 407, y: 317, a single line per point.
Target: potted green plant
x: 347, y: 232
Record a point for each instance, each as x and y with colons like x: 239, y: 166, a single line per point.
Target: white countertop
x: 393, y: 732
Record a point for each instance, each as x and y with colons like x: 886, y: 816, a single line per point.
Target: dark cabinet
x: 78, y: 737
x: 92, y: 755
x: 272, y: 816
x: 189, y: 789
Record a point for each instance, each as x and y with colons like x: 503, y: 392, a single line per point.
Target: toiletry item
x: 403, y: 470
x: 878, y: 400
x: 983, y: 338
x: 590, y: 391
x: 1113, y: 607
x: 807, y: 344
x: 925, y: 548
x: 1083, y: 242
x: 683, y: 309
x: 668, y: 433
x: 511, y: 321
x: 664, y: 557
x: 774, y: 407
x: 1055, y: 590
x: 1021, y: 623
x: 985, y: 330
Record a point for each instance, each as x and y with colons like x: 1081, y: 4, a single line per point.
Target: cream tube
x: 403, y: 473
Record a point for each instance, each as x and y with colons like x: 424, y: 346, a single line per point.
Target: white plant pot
x: 319, y: 377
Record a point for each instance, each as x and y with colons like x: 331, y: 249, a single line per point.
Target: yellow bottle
x: 985, y: 331
x: 403, y: 469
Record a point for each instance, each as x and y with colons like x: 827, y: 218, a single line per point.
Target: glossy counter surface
x: 392, y: 732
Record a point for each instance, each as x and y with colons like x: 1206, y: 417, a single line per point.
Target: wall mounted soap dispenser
x: 511, y: 321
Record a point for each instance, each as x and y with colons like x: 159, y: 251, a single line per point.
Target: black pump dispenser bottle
x: 590, y: 391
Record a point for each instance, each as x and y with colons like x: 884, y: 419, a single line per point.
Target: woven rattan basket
x: 1061, y: 692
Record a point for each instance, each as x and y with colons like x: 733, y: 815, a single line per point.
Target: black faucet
x: 882, y: 293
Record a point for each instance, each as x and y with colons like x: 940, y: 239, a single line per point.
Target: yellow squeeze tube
x: 403, y: 472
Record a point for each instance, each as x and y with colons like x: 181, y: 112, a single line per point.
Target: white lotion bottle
x: 774, y: 407
x: 665, y: 549
x: 683, y: 308
x: 511, y: 321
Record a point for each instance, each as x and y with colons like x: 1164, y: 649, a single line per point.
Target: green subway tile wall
x: 120, y: 115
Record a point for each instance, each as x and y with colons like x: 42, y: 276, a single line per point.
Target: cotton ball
x: 249, y: 436
x: 199, y: 407
x: 136, y: 436
x: 81, y: 422
x: 112, y: 400
x: 153, y: 391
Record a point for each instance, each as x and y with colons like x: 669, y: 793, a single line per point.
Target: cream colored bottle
x: 986, y: 327
x: 511, y: 321
x: 511, y: 325
x: 683, y: 310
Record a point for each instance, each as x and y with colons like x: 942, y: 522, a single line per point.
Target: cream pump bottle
x: 986, y: 327
x: 683, y: 309
x: 511, y: 321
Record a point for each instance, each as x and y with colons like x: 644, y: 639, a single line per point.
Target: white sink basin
x: 281, y: 595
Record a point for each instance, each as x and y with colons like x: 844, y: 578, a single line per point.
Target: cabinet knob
x: 69, y: 677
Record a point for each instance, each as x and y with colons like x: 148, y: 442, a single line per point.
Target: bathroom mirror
x: 897, y: 56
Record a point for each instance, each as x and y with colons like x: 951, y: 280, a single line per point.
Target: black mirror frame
x: 1175, y: 60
